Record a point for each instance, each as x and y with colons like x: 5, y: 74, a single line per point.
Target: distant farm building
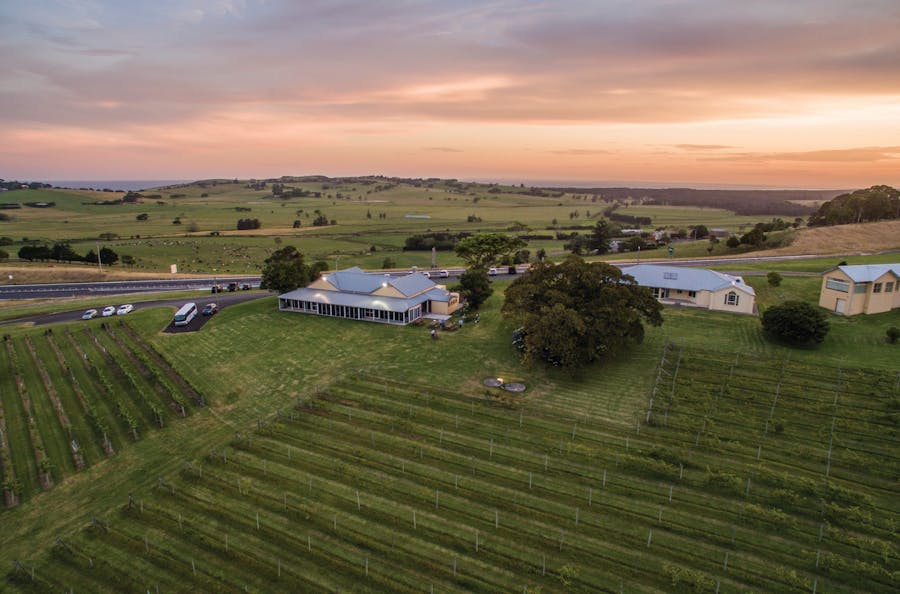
x: 695, y: 287
x: 372, y: 297
x: 864, y: 288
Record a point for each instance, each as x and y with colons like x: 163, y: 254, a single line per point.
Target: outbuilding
x: 862, y: 288
x: 695, y: 287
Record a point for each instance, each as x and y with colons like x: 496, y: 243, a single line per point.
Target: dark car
x: 232, y: 287
x: 209, y: 309
x: 245, y: 287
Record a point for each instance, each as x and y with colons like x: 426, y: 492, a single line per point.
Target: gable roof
x: 866, y: 273
x: 685, y: 279
x: 356, y: 280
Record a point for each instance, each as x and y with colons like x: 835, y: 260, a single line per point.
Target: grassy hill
x: 194, y: 225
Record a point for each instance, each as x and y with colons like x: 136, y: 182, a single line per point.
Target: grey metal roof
x: 356, y: 288
x: 412, y: 283
x: 685, y: 279
x: 866, y: 273
x: 355, y: 299
x: 356, y: 280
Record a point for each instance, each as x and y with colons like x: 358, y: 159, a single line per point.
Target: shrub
x: 892, y: 334
x: 796, y: 322
x: 774, y: 279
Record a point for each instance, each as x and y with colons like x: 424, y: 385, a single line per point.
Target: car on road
x: 109, y: 311
x: 124, y: 309
x: 232, y: 287
x: 246, y: 287
x: 426, y: 273
x: 492, y: 271
x: 443, y: 274
x: 89, y: 314
x: 209, y: 309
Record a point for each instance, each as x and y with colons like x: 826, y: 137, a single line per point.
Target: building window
x: 860, y: 288
x: 876, y: 288
x: 889, y: 287
x: 692, y: 294
x: 837, y: 285
x: 732, y: 298
x: 660, y: 293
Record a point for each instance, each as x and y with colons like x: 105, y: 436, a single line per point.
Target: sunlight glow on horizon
x: 731, y: 95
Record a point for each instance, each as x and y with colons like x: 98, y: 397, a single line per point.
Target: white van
x: 184, y: 315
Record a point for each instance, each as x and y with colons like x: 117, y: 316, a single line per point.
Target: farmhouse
x: 864, y: 288
x: 373, y: 297
x: 695, y: 287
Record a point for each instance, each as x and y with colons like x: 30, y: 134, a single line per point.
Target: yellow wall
x: 746, y: 302
x: 828, y: 298
x: 322, y: 284
x: 880, y: 302
x: 389, y: 291
x: 446, y: 308
x: 859, y: 303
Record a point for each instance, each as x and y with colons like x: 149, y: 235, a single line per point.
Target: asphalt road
x: 223, y: 300
x: 53, y: 290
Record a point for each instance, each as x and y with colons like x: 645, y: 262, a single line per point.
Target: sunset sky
x: 789, y: 93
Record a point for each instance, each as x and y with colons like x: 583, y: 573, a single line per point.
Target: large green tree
x: 475, y: 287
x: 485, y: 249
x: 601, y: 235
x: 576, y: 312
x: 796, y: 322
x: 286, y: 270
x: 871, y: 204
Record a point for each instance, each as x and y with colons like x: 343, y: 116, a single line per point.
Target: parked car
x: 216, y: 288
x: 124, y: 309
x: 492, y: 271
x: 426, y: 273
x: 443, y: 274
x: 109, y: 311
x: 209, y: 309
x: 246, y: 287
x: 89, y: 314
x: 232, y: 287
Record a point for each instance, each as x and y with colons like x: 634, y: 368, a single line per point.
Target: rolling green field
x: 369, y: 213
x: 403, y: 420
x: 325, y: 454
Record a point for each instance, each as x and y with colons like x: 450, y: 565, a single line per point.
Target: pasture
x: 194, y: 225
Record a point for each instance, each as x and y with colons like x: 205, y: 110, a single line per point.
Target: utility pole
x: 99, y: 263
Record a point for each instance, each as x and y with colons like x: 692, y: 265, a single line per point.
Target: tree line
x: 742, y: 202
x: 63, y: 252
x: 878, y: 203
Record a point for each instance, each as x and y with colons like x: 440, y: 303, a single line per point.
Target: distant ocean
x: 126, y: 185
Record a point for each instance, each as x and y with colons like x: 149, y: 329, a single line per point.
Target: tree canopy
x: 576, y: 312
x: 484, y: 249
x: 601, y: 236
x: 796, y: 322
x: 475, y: 287
x: 862, y: 206
x: 286, y: 270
